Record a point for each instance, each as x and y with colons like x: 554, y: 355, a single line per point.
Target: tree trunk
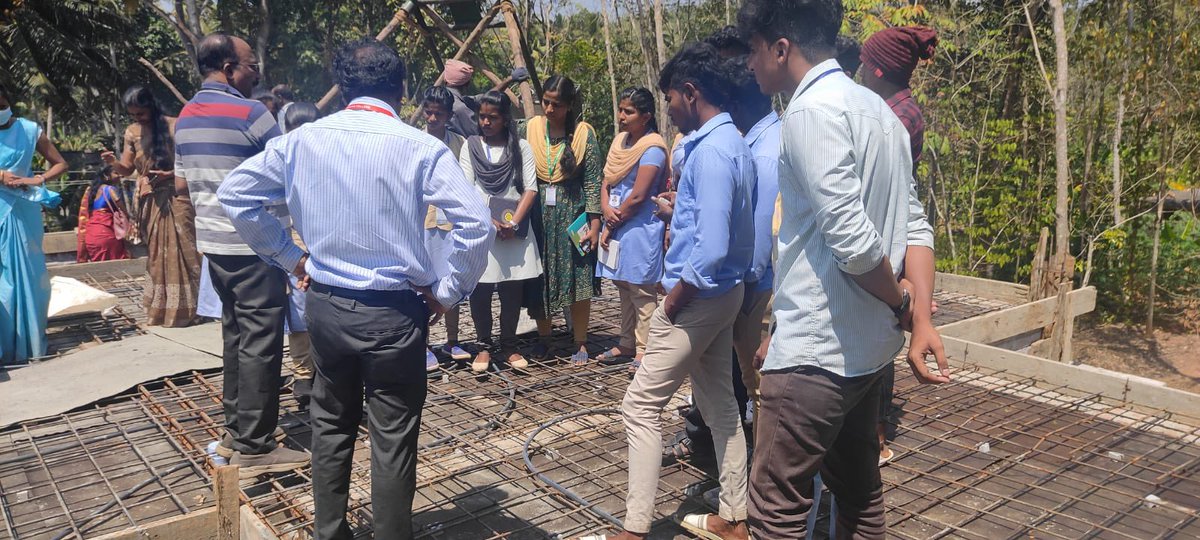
x: 612, y: 78
x: 1062, y: 223
x: 635, y: 16
x: 262, y: 41
x: 193, y: 18
x: 1120, y: 119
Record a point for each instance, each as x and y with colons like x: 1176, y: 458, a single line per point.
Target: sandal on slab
x: 697, y: 524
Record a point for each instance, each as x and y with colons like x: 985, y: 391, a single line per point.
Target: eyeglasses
x: 253, y: 67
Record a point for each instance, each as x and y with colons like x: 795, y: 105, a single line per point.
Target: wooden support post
x: 471, y: 57
x: 464, y: 47
x: 518, y: 57
x: 229, y: 519
x: 396, y: 21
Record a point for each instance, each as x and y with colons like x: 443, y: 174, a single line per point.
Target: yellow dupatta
x: 548, y: 157
x: 621, y: 160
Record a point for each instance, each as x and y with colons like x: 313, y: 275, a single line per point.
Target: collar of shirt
x: 375, y: 103
x: 221, y: 87
x: 755, y: 132
x: 903, y: 95
x: 815, y: 72
x: 695, y: 137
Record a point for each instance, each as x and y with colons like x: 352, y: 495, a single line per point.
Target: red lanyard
x: 369, y: 107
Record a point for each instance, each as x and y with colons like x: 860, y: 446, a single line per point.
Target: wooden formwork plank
x: 1128, y: 389
x: 999, y: 325
x: 198, y: 525
x: 59, y: 242
x: 132, y: 267
x: 1013, y: 293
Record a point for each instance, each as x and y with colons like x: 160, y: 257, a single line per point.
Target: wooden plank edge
x: 1125, y: 388
x: 1013, y: 293
x: 196, y: 525
x: 1000, y: 325
x: 253, y: 527
x: 133, y: 267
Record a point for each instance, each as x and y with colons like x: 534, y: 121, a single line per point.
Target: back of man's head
x: 283, y: 92
x: 728, y: 42
x: 848, y: 51
x: 749, y: 103
x: 810, y: 25
x: 214, y: 51
x: 700, y: 65
x: 368, y: 68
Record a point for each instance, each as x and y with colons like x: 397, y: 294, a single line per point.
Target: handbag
x: 120, y: 220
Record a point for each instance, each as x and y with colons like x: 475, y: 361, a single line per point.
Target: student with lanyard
x: 500, y: 164
x: 358, y: 184
x: 570, y: 169
x: 848, y: 218
x: 636, y: 168
x: 437, y: 105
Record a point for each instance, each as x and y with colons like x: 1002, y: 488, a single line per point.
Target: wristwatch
x: 905, y: 303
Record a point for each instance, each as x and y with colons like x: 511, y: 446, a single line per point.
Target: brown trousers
x: 814, y: 421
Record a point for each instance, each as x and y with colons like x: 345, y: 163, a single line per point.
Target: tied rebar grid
x: 477, y: 433
x: 1001, y: 456
x: 87, y: 473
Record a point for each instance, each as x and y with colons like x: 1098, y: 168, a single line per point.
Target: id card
x: 551, y: 195
x: 614, y: 201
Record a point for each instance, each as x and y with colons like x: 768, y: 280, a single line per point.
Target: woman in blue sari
x: 24, y: 284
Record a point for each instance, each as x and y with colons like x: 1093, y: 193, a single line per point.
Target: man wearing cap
x: 888, y: 60
x: 457, y: 76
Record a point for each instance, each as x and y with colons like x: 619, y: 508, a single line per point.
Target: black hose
x: 566, y: 492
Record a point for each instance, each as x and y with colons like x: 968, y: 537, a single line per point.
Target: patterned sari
x: 167, y: 222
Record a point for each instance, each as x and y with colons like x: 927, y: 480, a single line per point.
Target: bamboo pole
x: 396, y: 21
x: 164, y: 80
x: 518, y: 57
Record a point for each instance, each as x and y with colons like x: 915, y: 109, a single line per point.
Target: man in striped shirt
x: 359, y: 184
x: 217, y: 130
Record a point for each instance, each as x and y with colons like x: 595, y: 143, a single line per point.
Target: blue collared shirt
x: 763, y: 139
x: 712, y: 231
x: 358, y: 184
x: 845, y: 175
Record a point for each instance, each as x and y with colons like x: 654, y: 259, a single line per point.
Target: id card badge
x: 614, y: 201
x: 551, y: 195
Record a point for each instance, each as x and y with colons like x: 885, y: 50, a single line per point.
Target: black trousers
x: 253, y: 306
x: 376, y: 340
x: 511, y: 293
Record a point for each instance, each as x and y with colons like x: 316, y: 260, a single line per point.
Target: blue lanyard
x: 819, y: 77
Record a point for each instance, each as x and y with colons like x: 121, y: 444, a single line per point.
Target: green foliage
x: 986, y: 175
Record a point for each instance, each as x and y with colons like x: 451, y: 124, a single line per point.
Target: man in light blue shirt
x: 850, y: 216
x: 358, y: 185
x: 756, y: 118
x: 691, y: 332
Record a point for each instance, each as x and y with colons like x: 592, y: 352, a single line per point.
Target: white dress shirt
x: 845, y: 176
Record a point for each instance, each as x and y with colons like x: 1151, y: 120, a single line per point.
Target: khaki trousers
x: 698, y: 345
x: 637, y: 307
x: 751, y: 325
x: 301, y: 355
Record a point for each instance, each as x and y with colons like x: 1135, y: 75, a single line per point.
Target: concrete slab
x: 205, y: 337
x: 59, y: 385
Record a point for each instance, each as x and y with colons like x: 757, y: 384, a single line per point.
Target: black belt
x: 365, y: 296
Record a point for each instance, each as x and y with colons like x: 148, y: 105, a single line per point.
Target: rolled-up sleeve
x: 447, y: 188
x: 247, y: 192
x: 713, y: 203
x: 834, y: 189
x: 920, y: 231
